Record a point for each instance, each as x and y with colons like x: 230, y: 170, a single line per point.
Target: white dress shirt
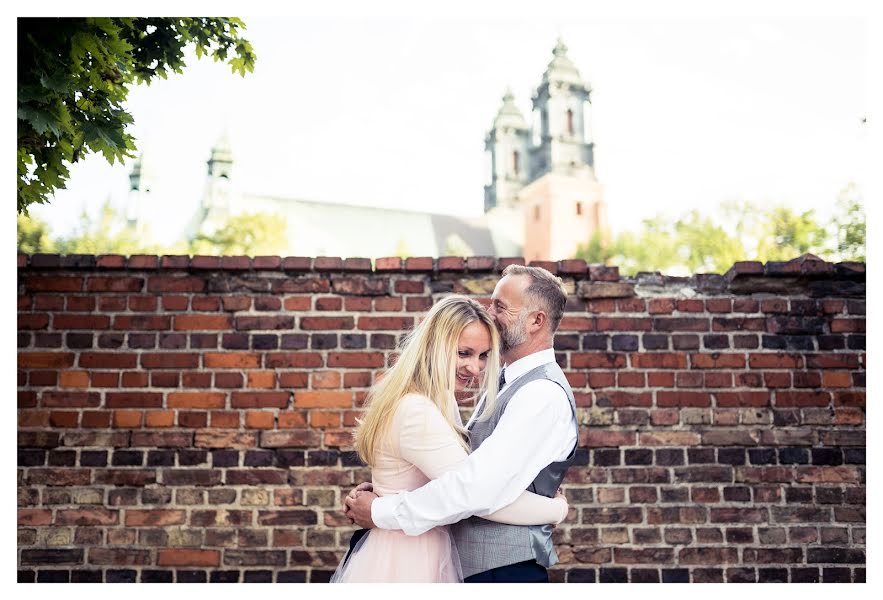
x: 537, y: 428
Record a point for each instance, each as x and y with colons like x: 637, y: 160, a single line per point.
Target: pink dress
x: 421, y: 446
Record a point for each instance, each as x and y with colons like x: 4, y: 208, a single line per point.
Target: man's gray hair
x: 546, y: 292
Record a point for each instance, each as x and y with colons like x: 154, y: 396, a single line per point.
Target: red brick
x: 719, y: 305
x: 424, y: 263
x: 656, y: 306
x: 53, y: 284
x: 259, y: 420
x: 96, y: 419
x: 596, y: 438
x: 354, y: 359
x: 127, y: 419
x: 740, y: 399
x: 197, y: 400
x: 33, y: 517
x: 58, y: 418
x: 387, y: 304
x: 169, y: 360
x: 33, y: 321
x: 832, y: 361
x: 327, y: 263
x: 181, y: 557
x: 776, y: 360
x: 202, y: 322
x: 622, y: 324
x: 33, y: 418
x: 231, y: 360
x: 293, y: 379
x: 133, y: 399
x: 326, y: 323
x: 114, y: 284
x: 68, y: 321
x: 451, y: 263
x: 108, y: 360
x: 324, y: 419
x: 73, y: 379
x: 159, y: 418
x: 576, y: 324
x: 55, y: 399
x: 154, y: 518
x: 717, y: 360
x: 225, y: 439
x: 259, y: 399
x: 323, y: 399
x: 292, y: 438
x: 690, y: 305
x: 162, y: 284
x: 88, y: 516
x: 699, y: 399
x: 388, y: 263
x: 385, y: 323
x: 666, y: 324
x: 261, y: 380
x: 292, y: 419
x: 659, y: 360
x: 786, y: 398
x: 597, y: 360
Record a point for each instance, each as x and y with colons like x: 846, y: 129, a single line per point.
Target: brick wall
x: 189, y: 419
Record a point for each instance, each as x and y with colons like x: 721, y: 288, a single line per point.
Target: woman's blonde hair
x: 427, y: 365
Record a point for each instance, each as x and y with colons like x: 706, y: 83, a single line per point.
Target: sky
x: 688, y: 111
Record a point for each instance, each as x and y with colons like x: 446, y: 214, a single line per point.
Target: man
x: 528, y: 442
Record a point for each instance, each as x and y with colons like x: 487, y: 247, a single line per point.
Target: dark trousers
x: 528, y: 571
x: 357, y: 535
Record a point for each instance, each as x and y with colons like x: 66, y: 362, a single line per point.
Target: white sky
x: 688, y: 111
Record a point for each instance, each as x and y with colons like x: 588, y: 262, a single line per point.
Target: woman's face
x: 472, y: 351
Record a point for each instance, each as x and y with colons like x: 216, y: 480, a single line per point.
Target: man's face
x: 508, y: 311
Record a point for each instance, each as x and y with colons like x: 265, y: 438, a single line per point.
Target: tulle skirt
x: 389, y: 556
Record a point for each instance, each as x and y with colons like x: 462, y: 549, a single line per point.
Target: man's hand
x: 358, y: 509
x: 365, y: 486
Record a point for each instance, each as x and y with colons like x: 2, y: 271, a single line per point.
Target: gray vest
x: 484, y: 545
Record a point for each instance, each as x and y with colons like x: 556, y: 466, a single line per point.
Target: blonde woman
x: 411, y: 432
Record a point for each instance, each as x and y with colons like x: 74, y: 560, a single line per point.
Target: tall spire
x: 561, y: 68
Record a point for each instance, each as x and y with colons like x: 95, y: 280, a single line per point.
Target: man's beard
x: 513, y: 335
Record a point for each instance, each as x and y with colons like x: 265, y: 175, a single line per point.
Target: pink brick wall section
x: 189, y: 419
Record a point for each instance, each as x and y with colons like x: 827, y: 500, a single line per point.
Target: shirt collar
x: 526, y: 363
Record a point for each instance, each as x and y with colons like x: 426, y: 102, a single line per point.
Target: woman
x: 412, y: 432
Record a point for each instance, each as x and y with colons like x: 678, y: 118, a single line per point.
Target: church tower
x: 140, y: 183
x: 216, y: 200
x: 507, y: 146
x: 543, y: 200
x: 561, y: 109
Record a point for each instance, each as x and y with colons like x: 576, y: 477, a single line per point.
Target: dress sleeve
x: 429, y: 443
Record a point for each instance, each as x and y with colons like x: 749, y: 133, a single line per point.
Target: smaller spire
x: 509, y: 115
x: 560, y: 48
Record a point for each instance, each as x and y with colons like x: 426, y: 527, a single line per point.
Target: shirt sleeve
x: 530, y: 435
x: 429, y: 443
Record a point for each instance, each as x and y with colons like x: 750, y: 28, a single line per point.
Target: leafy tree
x: 704, y: 246
x: 248, y: 234
x: 457, y: 246
x: 791, y: 234
x: 74, y: 74
x: 699, y: 243
x: 850, y: 222
x: 108, y: 233
x: 34, y: 236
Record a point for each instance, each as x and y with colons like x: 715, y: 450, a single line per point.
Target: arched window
x: 515, y: 162
x: 569, y: 122
x: 536, y: 213
x: 579, y: 209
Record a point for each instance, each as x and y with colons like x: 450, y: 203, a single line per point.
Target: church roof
x: 561, y: 68
x: 332, y: 229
